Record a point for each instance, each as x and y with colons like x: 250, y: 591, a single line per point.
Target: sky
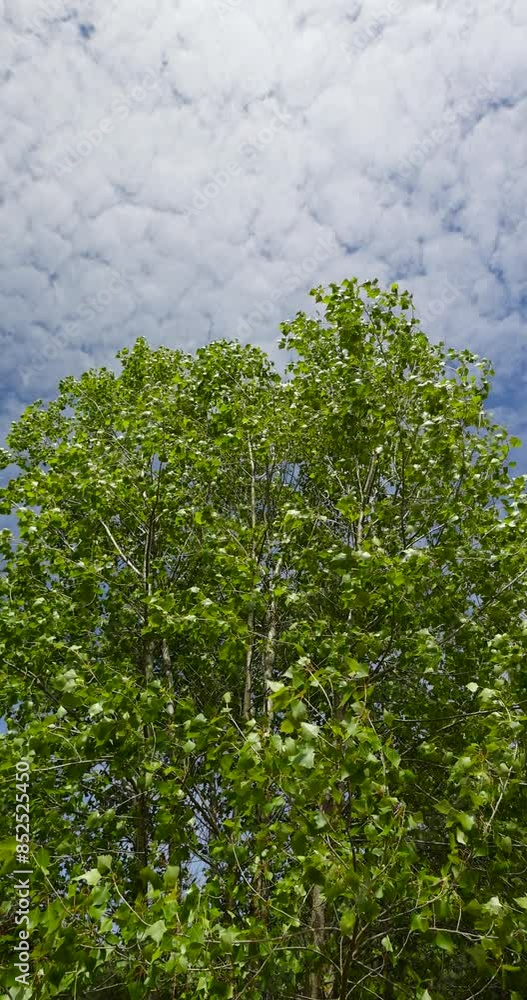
x: 186, y: 171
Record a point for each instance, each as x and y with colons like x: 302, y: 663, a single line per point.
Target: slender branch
x: 167, y: 663
x: 247, y: 693
x: 116, y: 545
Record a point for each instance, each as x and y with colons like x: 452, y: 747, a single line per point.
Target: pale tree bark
x: 247, y: 690
x: 248, y: 682
x: 318, y: 925
x: 142, y: 807
x: 167, y: 664
x: 269, y: 654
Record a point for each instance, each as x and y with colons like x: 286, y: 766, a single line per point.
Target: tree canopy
x: 263, y: 641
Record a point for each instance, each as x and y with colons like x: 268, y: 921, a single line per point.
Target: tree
x: 263, y: 643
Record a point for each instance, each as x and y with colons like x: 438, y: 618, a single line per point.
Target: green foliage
x: 263, y: 641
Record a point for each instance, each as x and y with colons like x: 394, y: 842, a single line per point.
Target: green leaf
x: 156, y: 931
x: 276, y: 687
x: 494, y: 906
x: 298, y: 710
x: 228, y: 937
x: 104, y: 862
x: 419, y: 923
x: 306, y: 758
x: 487, y: 694
x: 466, y: 820
x: 357, y: 669
x: 171, y: 876
x: 8, y: 848
x: 309, y: 730
x: 91, y: 877
x: 42, y: 859
x: 347, y: 922
x: 444, y: 941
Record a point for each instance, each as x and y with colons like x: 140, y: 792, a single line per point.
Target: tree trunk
x: 318, y: 917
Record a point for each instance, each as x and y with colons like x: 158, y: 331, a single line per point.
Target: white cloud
x: 354, y: 160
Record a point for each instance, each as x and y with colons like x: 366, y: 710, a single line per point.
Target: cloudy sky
x: 188, y: 170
